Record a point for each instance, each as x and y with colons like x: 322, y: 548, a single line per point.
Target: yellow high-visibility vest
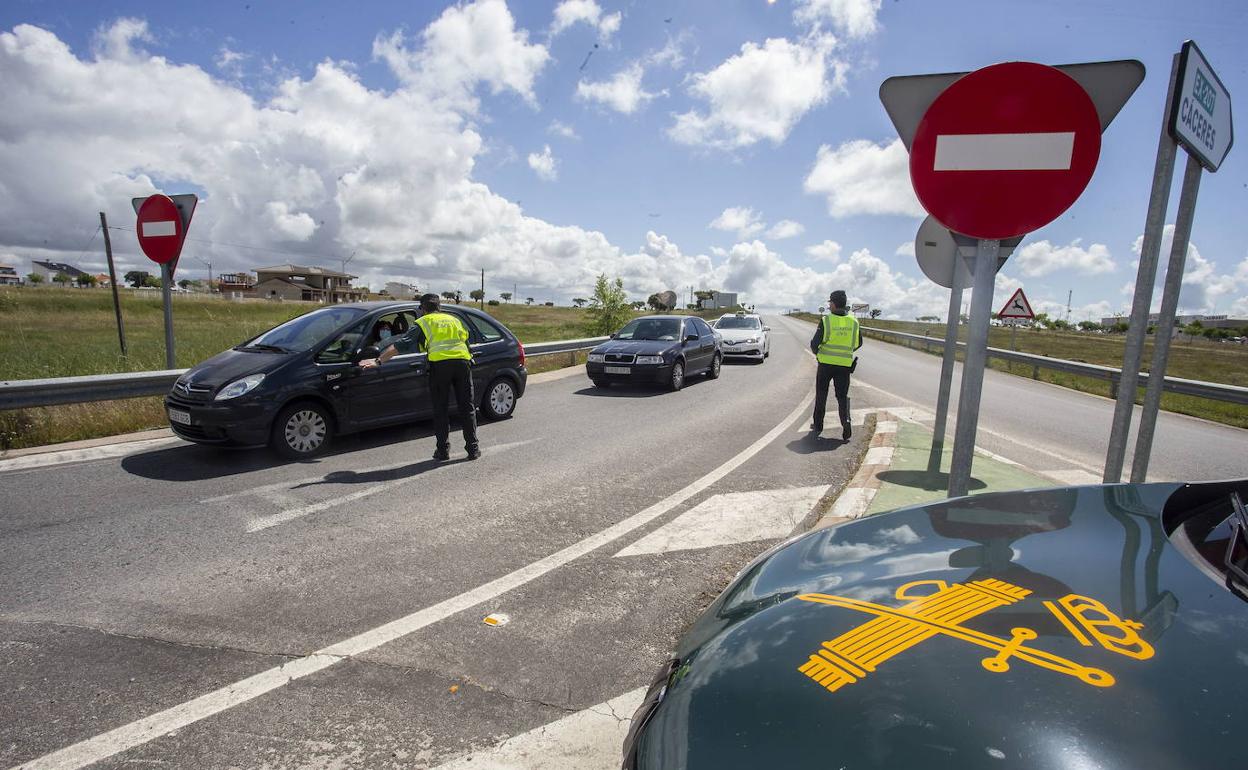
x: 840, y: 338
x: 445, y: 337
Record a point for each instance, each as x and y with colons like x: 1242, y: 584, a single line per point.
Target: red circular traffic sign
x: 1005, y: 150
x: 160, y: 229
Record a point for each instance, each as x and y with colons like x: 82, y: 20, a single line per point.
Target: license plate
x: 180, y: 417
x: 618, y: 370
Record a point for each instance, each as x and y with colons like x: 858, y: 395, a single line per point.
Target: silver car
x: 744, y: 336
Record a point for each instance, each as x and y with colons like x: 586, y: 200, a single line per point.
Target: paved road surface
x: 254, y: 613
x: 1054, y: 430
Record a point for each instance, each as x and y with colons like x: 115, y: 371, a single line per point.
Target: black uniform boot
x: 442, y: 454
x: 843, y: 409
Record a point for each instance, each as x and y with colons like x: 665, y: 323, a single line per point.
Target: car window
x: 306, y: 331
x: 690, y: 327
x: 488, y: 331
x: 735, y: 322
x: 650, y: 329
x: 344, y: 346
x: 703, y: 329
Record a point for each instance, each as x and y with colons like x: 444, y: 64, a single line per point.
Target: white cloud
x: 543, y: 164
x: 856, y: 18
x: 570, y: 12
x: 623, y: 92
x: 1204, y: 287
x: 292, y: 225
x: 559, y: 128
x: 116, y: 42
x: 1041, y: 258
x: 759, y: 93
x: 862, y: 177
x: 785, y: 228
x: 742, y: 220
x: 828, y: 251
x: 905, y: 249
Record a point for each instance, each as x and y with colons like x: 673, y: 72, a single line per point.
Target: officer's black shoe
x: 846, y: 431
x: 442, y: 454
x: 816, y: 427
x: 474, y: 453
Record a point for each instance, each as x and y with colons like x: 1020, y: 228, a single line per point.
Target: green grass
x: 53, y: 332
x: 1193, y: 360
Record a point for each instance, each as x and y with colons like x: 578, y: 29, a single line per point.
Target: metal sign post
x: 166, y: 281
x: 161, y: 229
x: 947, y: 362
x: 973, y: 366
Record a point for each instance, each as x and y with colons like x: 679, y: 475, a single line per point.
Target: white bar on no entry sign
x: 157, y: 229
x: 1004, y: 152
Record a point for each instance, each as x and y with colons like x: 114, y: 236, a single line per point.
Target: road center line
x: 164, y: 722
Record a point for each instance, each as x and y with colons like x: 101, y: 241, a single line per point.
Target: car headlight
x: 649, y: 359
x: 751, y: 339
x: 597, y: 358
x: 240, y: 387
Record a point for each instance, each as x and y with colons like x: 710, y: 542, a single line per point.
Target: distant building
x: 308, y: 284
x: 9, y: 276
x: 49, y: 270
x: 1207, y: 321
x: 235, y: 283
x: 401, y: 290
x: 720, y: 300
x: 102, y: 280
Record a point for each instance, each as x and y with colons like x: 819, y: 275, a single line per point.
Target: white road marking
x: 176, y: 717
x: 159, y: 229
x: 736, y: 517
x: 45, y: 459
x: 587, y: 740
x: 1004, y: 152
x: 293, y: 508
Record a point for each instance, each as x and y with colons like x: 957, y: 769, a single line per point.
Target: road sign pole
x: 1165, y: 322
x: 112, y: 281
x: 166, y: 276
x: 946, y: 375
x: 1137, y: 326
x: 973, y: 366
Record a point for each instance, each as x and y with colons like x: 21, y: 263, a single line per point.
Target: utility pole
x: 209, y: 264
x: 482, y: 300
x: 112, y: 280
x: 1069, y: 293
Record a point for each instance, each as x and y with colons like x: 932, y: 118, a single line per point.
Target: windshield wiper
x: 264, y: 347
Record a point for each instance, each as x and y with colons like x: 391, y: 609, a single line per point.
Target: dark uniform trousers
x: 445, y: 376
x: 839, y: 377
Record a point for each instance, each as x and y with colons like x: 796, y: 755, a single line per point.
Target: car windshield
x: 650, y: 329
x: 736, y: 322
x: 300, y: 334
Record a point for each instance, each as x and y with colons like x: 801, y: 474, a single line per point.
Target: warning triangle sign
x: 1017, y: 307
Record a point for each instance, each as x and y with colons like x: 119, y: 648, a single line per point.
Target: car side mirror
x: 690, y: 337
x: 614, y: 335
x: 369, y: 351
x: 766, y: 328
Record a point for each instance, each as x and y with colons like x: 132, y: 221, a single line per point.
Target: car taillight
x: 520, y: 345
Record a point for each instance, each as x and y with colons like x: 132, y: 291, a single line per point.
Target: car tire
x: 676, y: 379
x: 500, y: 399
x: 717, y: 363
x: 302, y: 430
x: 601, y: 384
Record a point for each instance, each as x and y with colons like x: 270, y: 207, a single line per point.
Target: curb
x: 90, y: 443
x: 856, y: 497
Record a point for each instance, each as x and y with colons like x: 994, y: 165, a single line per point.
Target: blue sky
x: 318, y: 133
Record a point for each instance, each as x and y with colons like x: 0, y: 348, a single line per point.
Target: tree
x: 151, y: 281
x: 579, y: 301
x: 62, y: 278
x: 703, y: 296
x: 1120, y: 327
x: 506, y: 295
x: 449, y: 296
x: 492, y: 303
x: 35, y: 278
x: 1089, y: 326
x: 477, y: 294
x: 136, y: 278
x: 86, y: 279
x: 876, y: 313
x: 528, y: 300
x: 609, y: 308
x: 638, y: 305
x: 549, y: 304
x: 655, y: 303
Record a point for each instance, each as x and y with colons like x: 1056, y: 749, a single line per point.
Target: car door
x: 491, y: 350
x: 695, y: 358
x: 708, y: 341
x: 391, y: 392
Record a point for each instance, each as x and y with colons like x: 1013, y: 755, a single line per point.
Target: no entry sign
x: 1005, y: 150
x: 159, y: 229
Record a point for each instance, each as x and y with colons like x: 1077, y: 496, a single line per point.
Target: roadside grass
x: 53, y: 332
x: 1194, y: 360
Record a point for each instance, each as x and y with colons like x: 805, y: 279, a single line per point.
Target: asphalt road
x: 198, y: 608
x: 1056, y: 431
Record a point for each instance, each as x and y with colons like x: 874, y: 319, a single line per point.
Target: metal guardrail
x: 1212, y: 390
x: 20, y: 394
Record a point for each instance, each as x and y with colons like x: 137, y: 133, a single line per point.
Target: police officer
x: 834, y: 343
x: 445, y: 338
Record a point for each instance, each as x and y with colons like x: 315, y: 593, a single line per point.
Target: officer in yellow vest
x: 834, y: 343
x: 445, y: 339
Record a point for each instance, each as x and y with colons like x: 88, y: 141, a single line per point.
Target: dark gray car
x: 657, y: 349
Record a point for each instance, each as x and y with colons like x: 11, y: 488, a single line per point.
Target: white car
x: 744, y: 335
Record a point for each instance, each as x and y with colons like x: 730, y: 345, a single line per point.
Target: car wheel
x: 677, y: 379
x: 301, y: 431
x: 716, y: 363
x: 500, y: 399
x: 602, y: 384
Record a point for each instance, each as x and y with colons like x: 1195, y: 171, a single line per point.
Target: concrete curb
x: 856, y: 497
x: 90, y: 443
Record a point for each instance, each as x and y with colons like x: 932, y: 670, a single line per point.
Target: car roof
x: 374, y: 305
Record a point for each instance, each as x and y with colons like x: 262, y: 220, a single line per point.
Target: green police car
x: 1089, y: 627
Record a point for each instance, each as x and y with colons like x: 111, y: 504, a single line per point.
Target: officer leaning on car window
x: 834, y: 343
x: 445, y: 338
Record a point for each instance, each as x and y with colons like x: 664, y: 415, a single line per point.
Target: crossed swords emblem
x: 856, y: 653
